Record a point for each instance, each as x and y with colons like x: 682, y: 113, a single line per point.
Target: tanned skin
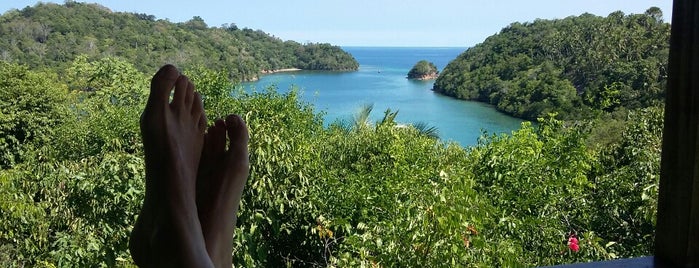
x: 194, y: 182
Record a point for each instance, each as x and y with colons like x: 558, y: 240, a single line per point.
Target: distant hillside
x: 571, y: 66
x: 51, y: 35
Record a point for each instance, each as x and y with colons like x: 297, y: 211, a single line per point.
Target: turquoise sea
x: 381, y: 81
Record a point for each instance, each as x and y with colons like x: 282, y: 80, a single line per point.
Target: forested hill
x: 52, y: 35
x: 574, y: 66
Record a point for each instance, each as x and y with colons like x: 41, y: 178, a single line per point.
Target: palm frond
x: 427, y: 130
x: 361, y: 118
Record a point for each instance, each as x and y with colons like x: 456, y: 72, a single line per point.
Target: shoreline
x: 425, y: 77
x: 280, y: 70
x: 266, y: 72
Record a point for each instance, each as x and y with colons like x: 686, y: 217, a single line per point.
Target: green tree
x: 378, y: 194
x: 32, y: 106
x: 627, y: 176
x: 613, y: 62
x: 49, y: 35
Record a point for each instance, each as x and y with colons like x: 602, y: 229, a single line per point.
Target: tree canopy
x: 50, y: 36
x: 343, y: 195
x: 72, y: 181
x: 570, y: 66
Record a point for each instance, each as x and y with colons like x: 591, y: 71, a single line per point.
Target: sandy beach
x: 280, y: 70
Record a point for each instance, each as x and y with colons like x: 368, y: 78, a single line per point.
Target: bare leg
x: 222, y: 177
x: 168, y: 232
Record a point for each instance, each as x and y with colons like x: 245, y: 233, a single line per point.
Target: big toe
x: 237, y: 132
x: 238, y: 137
x: 162, y: 83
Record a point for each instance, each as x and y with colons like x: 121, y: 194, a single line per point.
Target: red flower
x: 573, y: 243
x: 574, y: 247
x: 572, y: 240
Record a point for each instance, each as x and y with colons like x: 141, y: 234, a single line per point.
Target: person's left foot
x: 222, y: 177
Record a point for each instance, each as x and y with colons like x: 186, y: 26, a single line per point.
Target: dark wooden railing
x: 677, y: 229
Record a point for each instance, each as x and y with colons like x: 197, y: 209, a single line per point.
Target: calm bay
x: 381, y: 81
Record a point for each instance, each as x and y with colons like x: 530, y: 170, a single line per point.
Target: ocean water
x: 381, y: 81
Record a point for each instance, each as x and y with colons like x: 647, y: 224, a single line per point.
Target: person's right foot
x: 167, y: 231
x: 220, y: 183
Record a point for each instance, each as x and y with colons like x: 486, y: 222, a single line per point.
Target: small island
x: 423, y: 70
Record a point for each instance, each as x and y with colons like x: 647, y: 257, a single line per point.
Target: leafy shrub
x: 371, y: 194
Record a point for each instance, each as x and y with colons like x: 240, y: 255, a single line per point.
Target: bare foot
x: 222, y: 177
x: 168, y: 232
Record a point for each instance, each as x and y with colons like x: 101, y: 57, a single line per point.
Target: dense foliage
x: 347, y: 195
x: 575, y: 66
x: 351, y: 194
x: 51, y: 36
x: 422, y: 69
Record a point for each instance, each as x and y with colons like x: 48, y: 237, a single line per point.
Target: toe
x: 197, y: 104
x: 198, y: 111
x: 238, y: 135
x: 209, y: 144
x: 181, y: 85
x: 202, y: 123
x: 219, y: 138
x: 189, y: 95
x: 237, y: 156
x: 162, y: 83
x: 207, y: 153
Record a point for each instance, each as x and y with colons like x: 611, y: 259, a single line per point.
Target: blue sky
x: 457, y: 23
